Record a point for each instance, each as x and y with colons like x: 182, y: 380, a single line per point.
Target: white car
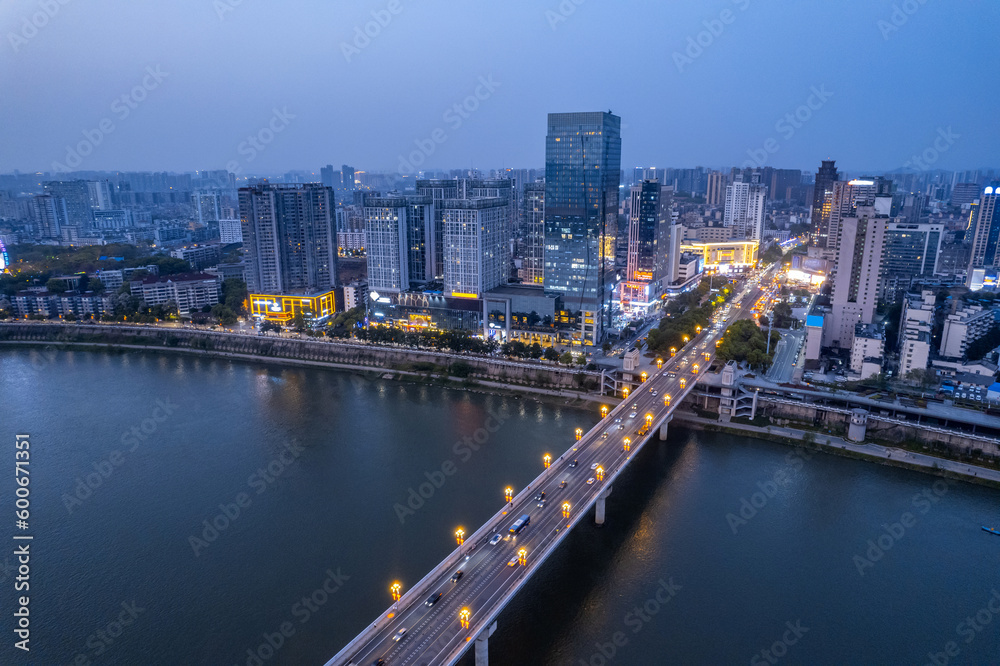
x: 399, y: 634
x: 595, y: 466
x: 632, y: 415
x: 495, y: 540
x: 590, y: 481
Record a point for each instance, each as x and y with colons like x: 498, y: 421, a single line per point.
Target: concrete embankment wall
x: 529, y: 374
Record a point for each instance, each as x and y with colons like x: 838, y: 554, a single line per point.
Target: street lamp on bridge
x: 625, y: 392
x: 565, y: 508
x: 604, y: 411
x: 394, y: 590
x: 508, y: 494
x: 643, y: 376
x: 547, y: 460
x: 659, y: 363
x: 626, y: 444
x: 463, y: 617
x: 579, y: 434
x: 600, y: 473
x: 460, y: 536
x: 522, y: 556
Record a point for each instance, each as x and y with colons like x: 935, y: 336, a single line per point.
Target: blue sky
x: 893, y: 77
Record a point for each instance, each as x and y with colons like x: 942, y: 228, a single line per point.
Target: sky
x: 396, y: 85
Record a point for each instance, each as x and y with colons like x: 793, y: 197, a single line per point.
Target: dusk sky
x: 885, y: 84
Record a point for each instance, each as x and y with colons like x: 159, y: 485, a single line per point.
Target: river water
x: 185, y: 510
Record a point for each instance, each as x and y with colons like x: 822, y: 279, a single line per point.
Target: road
x: 785, y: 356
x: 433, y: 633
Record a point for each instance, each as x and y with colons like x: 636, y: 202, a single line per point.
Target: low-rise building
x: 315, y: 307
x: 199, y: 256
x: 190, y: 291
x: 964, y: 327
x: 867, y: 349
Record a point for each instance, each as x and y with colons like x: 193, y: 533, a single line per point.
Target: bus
x: 520, y: 523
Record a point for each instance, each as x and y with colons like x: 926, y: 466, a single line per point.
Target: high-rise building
x: 847, y: 196
x: 100, y: 195
x: 207, y: 205
x: 856, y: 276
x: 76, y: 194
x: 326, y: 176
x: 964, y: 193
x: 782, y: 183
x: 911, y: 251
x: 985, y: 237
x: 822, y: 199
x: 533, y: 259
x: 288, y: 237
x: 648, y: 259
x: 476, y: 244
x: 915, y: 329
x: 745, y: 207
x: 230, y: 231
x: 716, y: 195
x: 49, y: 213
x: 398, y: 241
x: 582, y: 175
x: 347, y: 176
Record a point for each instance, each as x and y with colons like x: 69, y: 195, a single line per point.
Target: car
x: 457, y: 576
x: 562, y: 485
x: 399, y: 634
x: 635, y: 407
x: 540, y: 496
x: 590, y: 481
x: 541, y: 504
x: 512, y: 562
x: 496, y: 539
x: 595, y: 466
x: 655, y: 393
x: 433, y: 599
x: 605, y: 435
x: 573, y: 464
x: 632, y: 415
x: 618, y: 420
x: 378, y: 662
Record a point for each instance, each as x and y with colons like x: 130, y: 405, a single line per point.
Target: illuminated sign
x: 4, y: 259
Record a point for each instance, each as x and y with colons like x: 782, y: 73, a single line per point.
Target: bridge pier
x: 483, y: 645
x: 663, y: 427
x: 599, y: 506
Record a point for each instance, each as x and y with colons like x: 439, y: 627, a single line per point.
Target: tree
x: 782, y: 314
x: 223, y: 314
x: 535, y: 351
x: 606, y: 347
x: 234, y: 295
x: 268, y: 326
x: 56, y: 286
x: 551, y: 354
x: 983, y: 345
x: 581, y: 360
x: 566, y: 358
x: 744, y: 341
x: 297, y: 322
x: 922, y: 377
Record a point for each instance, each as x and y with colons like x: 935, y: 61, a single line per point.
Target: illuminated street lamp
x: 579, y: 434
x: 686, y: 338
x: 394, y: 590
x: 697, y: 329
x: 522, y: 556
x: 626, y: 444
x: 643, y: 376
x: 565, y: 509
x: 659, y: 363
x: 649, y: 419
x: 547, y: 460
x: 666, y: 400
x: 508, y: 493
x: 600, y: 473
x: 460, y: 536
x: 673, y: 351
x: 463, y: 617
x: 604, y: 411
x: 625, y: 392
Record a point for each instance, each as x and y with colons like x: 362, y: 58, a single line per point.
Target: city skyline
x: 485, y: 110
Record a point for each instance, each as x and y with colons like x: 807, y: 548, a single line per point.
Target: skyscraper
x: 911, y: 251
x: 985, y: 236
x: 744, y: 210
x: 398, y: 231
x: 582, y: 175
x: 476, y: 244
x: 856, y: 277
x: 326, y: 176
x: 822, y: 197
x: 347, y: 175
x: 288, y: 237
x: 533, y: 261
x: 846, y: 197
x: 716, y: 194
x: 648, y: 244
x: 76, y: 195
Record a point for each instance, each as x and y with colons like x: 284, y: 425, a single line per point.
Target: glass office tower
x: 582, y: 175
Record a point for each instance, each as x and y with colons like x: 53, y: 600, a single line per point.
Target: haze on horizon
x: 886, y: 80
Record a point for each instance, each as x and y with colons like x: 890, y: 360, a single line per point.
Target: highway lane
x: 433, y: 634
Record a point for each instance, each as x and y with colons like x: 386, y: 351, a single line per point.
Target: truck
x: 520, y: 523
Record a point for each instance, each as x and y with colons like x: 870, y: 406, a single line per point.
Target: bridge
x: 435, y: 621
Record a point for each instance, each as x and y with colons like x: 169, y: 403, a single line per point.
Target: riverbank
x: 560, y: 397
x: 878, y: 453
